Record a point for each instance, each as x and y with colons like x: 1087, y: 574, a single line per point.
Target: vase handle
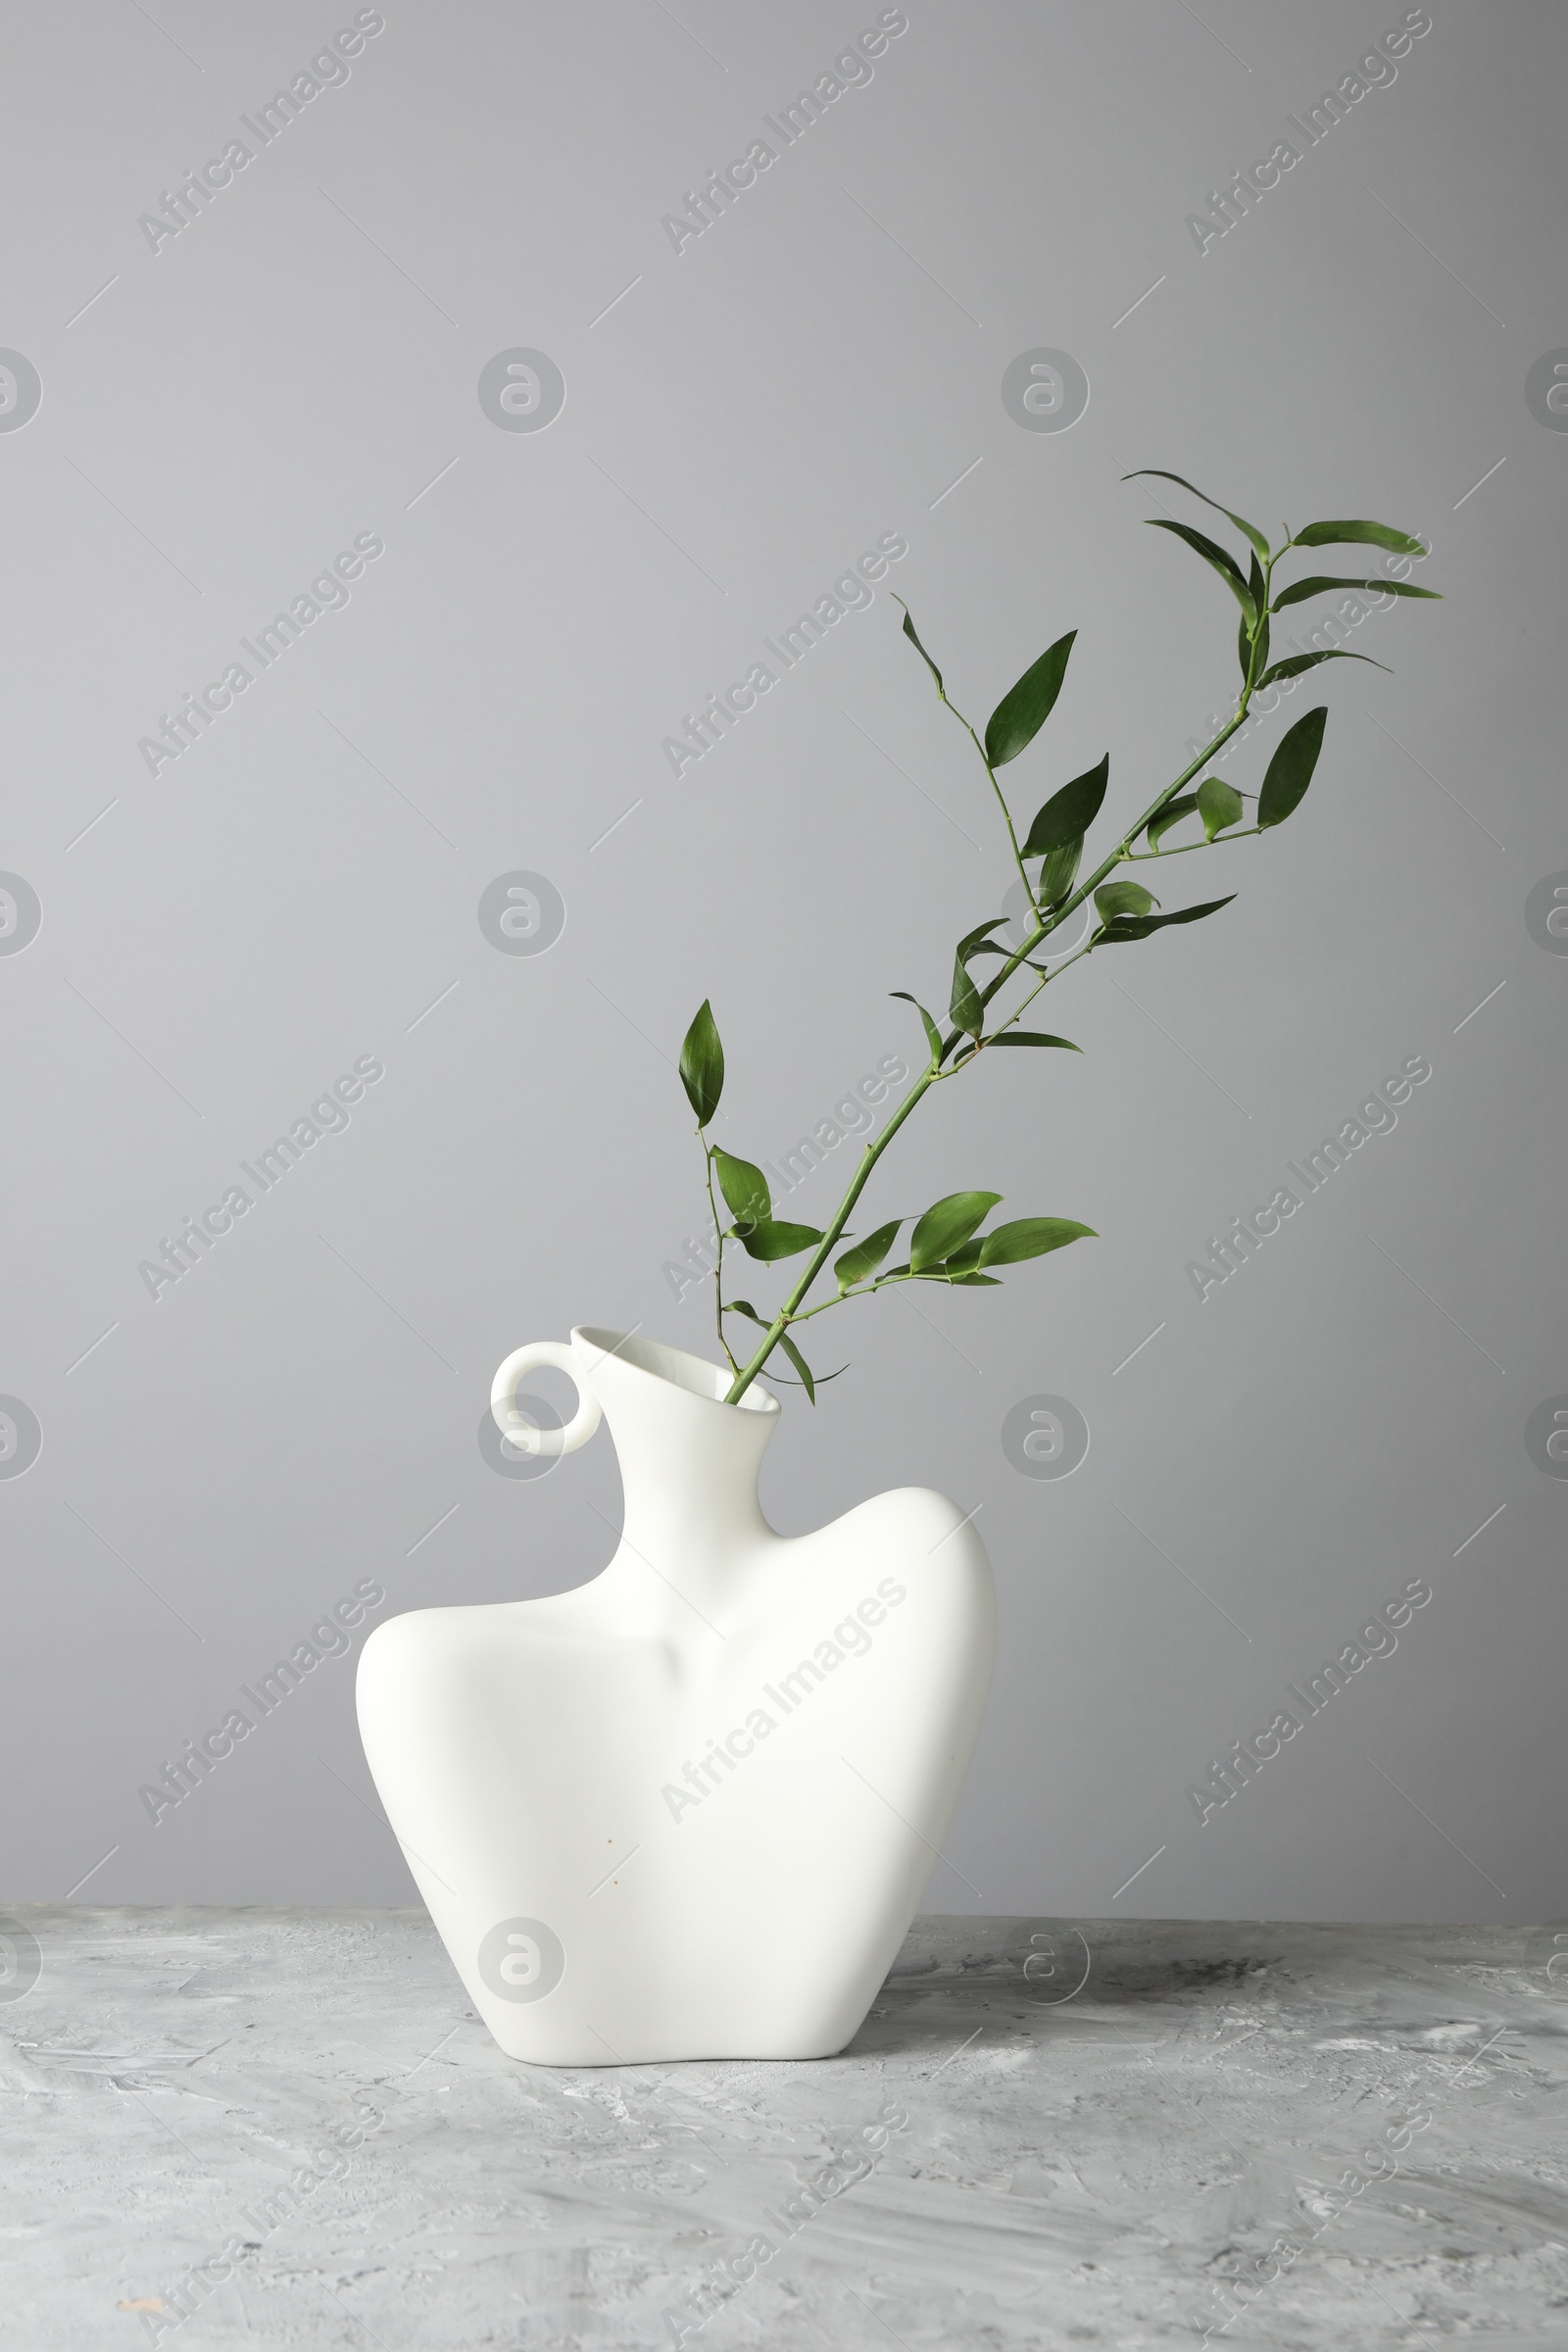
x: 521, y: 1431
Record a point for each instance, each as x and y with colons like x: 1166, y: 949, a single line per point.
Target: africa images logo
x: 521, y: 1960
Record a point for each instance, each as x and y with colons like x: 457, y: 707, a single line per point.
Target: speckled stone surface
x: 1044, y: 2134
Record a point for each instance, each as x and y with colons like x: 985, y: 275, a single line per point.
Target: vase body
x: 689, y: 1809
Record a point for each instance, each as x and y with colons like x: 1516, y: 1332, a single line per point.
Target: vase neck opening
x: 689, y: 1461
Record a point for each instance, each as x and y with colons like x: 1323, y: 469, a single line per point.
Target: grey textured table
x: 291, y: 2127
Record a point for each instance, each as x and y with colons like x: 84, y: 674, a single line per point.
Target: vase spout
x: 689, y: 1462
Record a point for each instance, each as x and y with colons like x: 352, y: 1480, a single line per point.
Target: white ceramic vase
x: 689, y: 1809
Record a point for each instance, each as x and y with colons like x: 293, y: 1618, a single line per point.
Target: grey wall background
x: 742, y: 419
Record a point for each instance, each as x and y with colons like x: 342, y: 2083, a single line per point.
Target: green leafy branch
x: 947, y: 1243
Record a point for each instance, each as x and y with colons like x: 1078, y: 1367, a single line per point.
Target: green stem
x: 882, y: 1280
x: 829, y: 1242
x: 718, y: 1243
x: 1064, y: 965
x: 1139, y: 856
x: 1001, y: 802
x: 1002, y: 799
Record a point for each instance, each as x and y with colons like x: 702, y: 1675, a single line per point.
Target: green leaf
x: 801, y: 1365
x: 1261, y: 643
x: 819, y: 1379
x: 947, y: 1224
x: 908, y: 631
x: 856, y: 1264
x: 1293, y: 668
x: 1123, y: 898
x: 1218, y: 805
x: 1060, y: 871
x: 1068, y: 813
x: 1021, y: 714
x: 961, y: 1266
x: 744, y: 1187
x: 1358, y: 534
x: 974, y: 1282
x: 1246, y: 636
x: 1247, y: 530
x: 932, y: 1033
x: 1032, y: 1037
x: 1320, y: 585
x: 1171, y: 814
x: 1257, y: 653
x: 965, y: 1007
x: 744, y: 1307
x: 1226, y: 565
x: 702, y: 1065
x: 1139, y: 926
x: 770, y: 1237
x: 1290, y: 771
x: 979, y: 944
x: 1030, y: 1237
